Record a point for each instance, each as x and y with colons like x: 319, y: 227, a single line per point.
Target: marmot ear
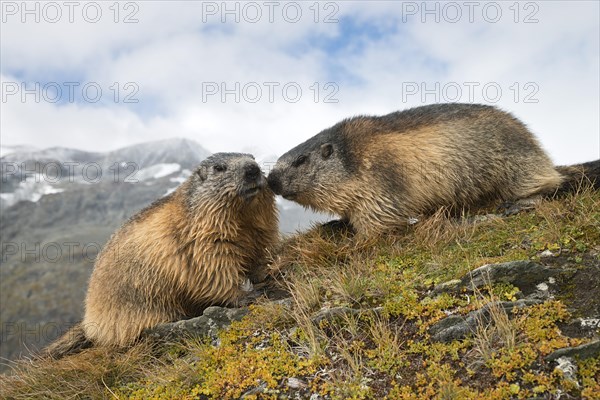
x: 326, y: 150
x: 202, y: 172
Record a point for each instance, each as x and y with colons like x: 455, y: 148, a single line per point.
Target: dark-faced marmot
x: 379, y: 172
x: 189, y: 250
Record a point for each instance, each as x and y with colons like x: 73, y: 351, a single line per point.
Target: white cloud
x: 171, y: 55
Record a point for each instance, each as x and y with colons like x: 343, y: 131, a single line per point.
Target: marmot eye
x: 299, y: 161
x: 220, y: 168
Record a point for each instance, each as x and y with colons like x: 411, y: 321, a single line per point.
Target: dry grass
x: 582, y: 209
x: 442, y: 228
x: 495, y: 331
x: 311, y: 341
x: 388, y: 345
x: 321, y: 269
x: 89, y: 374
x: 446, y: 226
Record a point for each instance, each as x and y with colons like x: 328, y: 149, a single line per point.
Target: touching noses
x: 274, y: 182
x: 252, y: 172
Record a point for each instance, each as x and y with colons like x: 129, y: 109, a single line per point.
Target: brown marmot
x: 380, y: 172
x: 189, y: 250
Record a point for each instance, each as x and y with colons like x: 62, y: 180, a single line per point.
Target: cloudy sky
x: 264, y: 76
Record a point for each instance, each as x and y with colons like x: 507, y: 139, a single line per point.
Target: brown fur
x: 185, y: 252
x: 379, y: 172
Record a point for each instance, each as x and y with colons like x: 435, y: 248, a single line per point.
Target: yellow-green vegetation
x: 356, y: 324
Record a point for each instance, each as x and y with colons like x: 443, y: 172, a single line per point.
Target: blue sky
x: 185, y: 67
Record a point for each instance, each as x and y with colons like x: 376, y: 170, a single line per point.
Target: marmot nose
x: 251, y: 171
x: 274, y: 182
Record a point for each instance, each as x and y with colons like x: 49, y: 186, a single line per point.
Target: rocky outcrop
x: 588, y: 350
x: 206, y: 325
x: 577, y: 286
x: 457, y: 327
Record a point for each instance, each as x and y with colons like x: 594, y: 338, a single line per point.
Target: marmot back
x: 379, y: 172
x: 189, y: 250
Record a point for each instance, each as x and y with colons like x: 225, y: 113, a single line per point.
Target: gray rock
x: 576, y: 287
x: 534, y: 281
x: 450, y: 286
x: 285, y: 302
x: 546, y: 253
x: 295, y: 383
x: 451, y: 328
x: 568, y: 369
x: 208, y: 324
x: 525, y: 275
x: 588, y: 350
x: 254, y: 391
x: 456, y: 327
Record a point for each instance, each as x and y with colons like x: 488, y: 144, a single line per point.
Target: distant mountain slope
x: 185, y: 152
x: 177, y: 150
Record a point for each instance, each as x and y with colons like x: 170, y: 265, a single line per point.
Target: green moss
x: 589, y: 373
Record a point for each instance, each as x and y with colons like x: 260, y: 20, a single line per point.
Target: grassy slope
x: 383, y: 350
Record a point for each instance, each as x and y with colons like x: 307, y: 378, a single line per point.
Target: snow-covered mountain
x: 24, y: 153
x: 184, y: 152
x: 148, y: 153
x: 29, y: 174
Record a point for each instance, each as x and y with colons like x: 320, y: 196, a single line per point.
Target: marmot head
x: 315, y: 170
x: 227, y: 178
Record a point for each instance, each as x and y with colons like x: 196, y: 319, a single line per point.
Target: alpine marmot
x: 189, y: 250
x: 380, y: 172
